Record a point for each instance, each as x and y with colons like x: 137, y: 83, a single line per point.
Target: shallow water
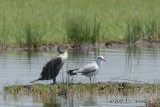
x: 132, y: 64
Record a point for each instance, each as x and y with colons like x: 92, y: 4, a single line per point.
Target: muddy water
x: 132, y: 64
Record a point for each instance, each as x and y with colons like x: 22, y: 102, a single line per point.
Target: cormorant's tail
x: 34, y: 80
x: 72, y: 72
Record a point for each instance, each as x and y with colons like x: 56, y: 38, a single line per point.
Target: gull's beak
x: 103, y: 59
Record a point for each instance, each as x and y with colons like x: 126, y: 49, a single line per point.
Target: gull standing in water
x: 51, y: 68
x: 88, y: 70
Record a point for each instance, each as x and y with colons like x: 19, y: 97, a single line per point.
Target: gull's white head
x: 100, y: 58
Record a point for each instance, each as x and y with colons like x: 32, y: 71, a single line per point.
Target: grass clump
x: 152, y: 31
x: 15, y: 89
x: 111, y: 13
x: 64, y: 88
x: 30, y: 36
x: 147, y: 31
x: 82, y: 29
x: 133, y: 33
x: 3, y: 34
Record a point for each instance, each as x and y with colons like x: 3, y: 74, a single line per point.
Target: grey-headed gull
x: 88, y: 70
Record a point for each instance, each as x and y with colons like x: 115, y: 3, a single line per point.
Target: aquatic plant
x: 15, y: 89
x: 112, y: 15
x: 134, y: 31
x: 64, y: 88
x: 3, y: 34
x: 80, y: 28
x: 137, y: 30
x: 151, y: 30
x: 30, y: 36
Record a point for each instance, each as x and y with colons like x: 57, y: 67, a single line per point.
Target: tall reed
x: 30, y: 36
x: 112, y: 14
x: 148, y: 30
x: 3, y: 34
x: 82, y: 29
x: 133, y: 32
x: 152, y: 30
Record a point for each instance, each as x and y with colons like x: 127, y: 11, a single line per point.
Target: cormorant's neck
x: 61, y: 52
x: 64, y: 55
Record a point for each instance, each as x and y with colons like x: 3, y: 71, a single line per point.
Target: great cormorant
x: 88, y: 70
x: 51, y: 68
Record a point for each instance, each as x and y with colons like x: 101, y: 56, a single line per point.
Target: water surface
x: 132, y: 64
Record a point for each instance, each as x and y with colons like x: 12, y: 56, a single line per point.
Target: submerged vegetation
x: 32, y: 23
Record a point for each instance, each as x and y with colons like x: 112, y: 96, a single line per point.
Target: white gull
x: 88, y: 70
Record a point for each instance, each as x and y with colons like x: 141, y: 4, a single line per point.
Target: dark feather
x: 86, y: 72
x: 71, y: 72
x: 51, y: 69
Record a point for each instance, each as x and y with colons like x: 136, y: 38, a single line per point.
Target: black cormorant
x: 51, y: 68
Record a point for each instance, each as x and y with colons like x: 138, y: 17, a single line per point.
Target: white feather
x: 91, y: 69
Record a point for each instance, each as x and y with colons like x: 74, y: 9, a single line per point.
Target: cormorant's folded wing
x: 54, y: 65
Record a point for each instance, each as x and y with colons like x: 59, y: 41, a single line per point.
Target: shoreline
x: 99, y: 88
x: 84, y: 46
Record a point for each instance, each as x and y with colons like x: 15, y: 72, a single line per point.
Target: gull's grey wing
x: 90, y: 68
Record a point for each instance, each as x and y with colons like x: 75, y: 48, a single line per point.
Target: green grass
x: 111, y: 19
x: 133, y: 32
x: 63, y: 88
x: 30, y: 36
x: 82, y: 29
x: 140, y: 30
x: 3, y: 34
x: 152, y: 30
x: 107, y: 88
